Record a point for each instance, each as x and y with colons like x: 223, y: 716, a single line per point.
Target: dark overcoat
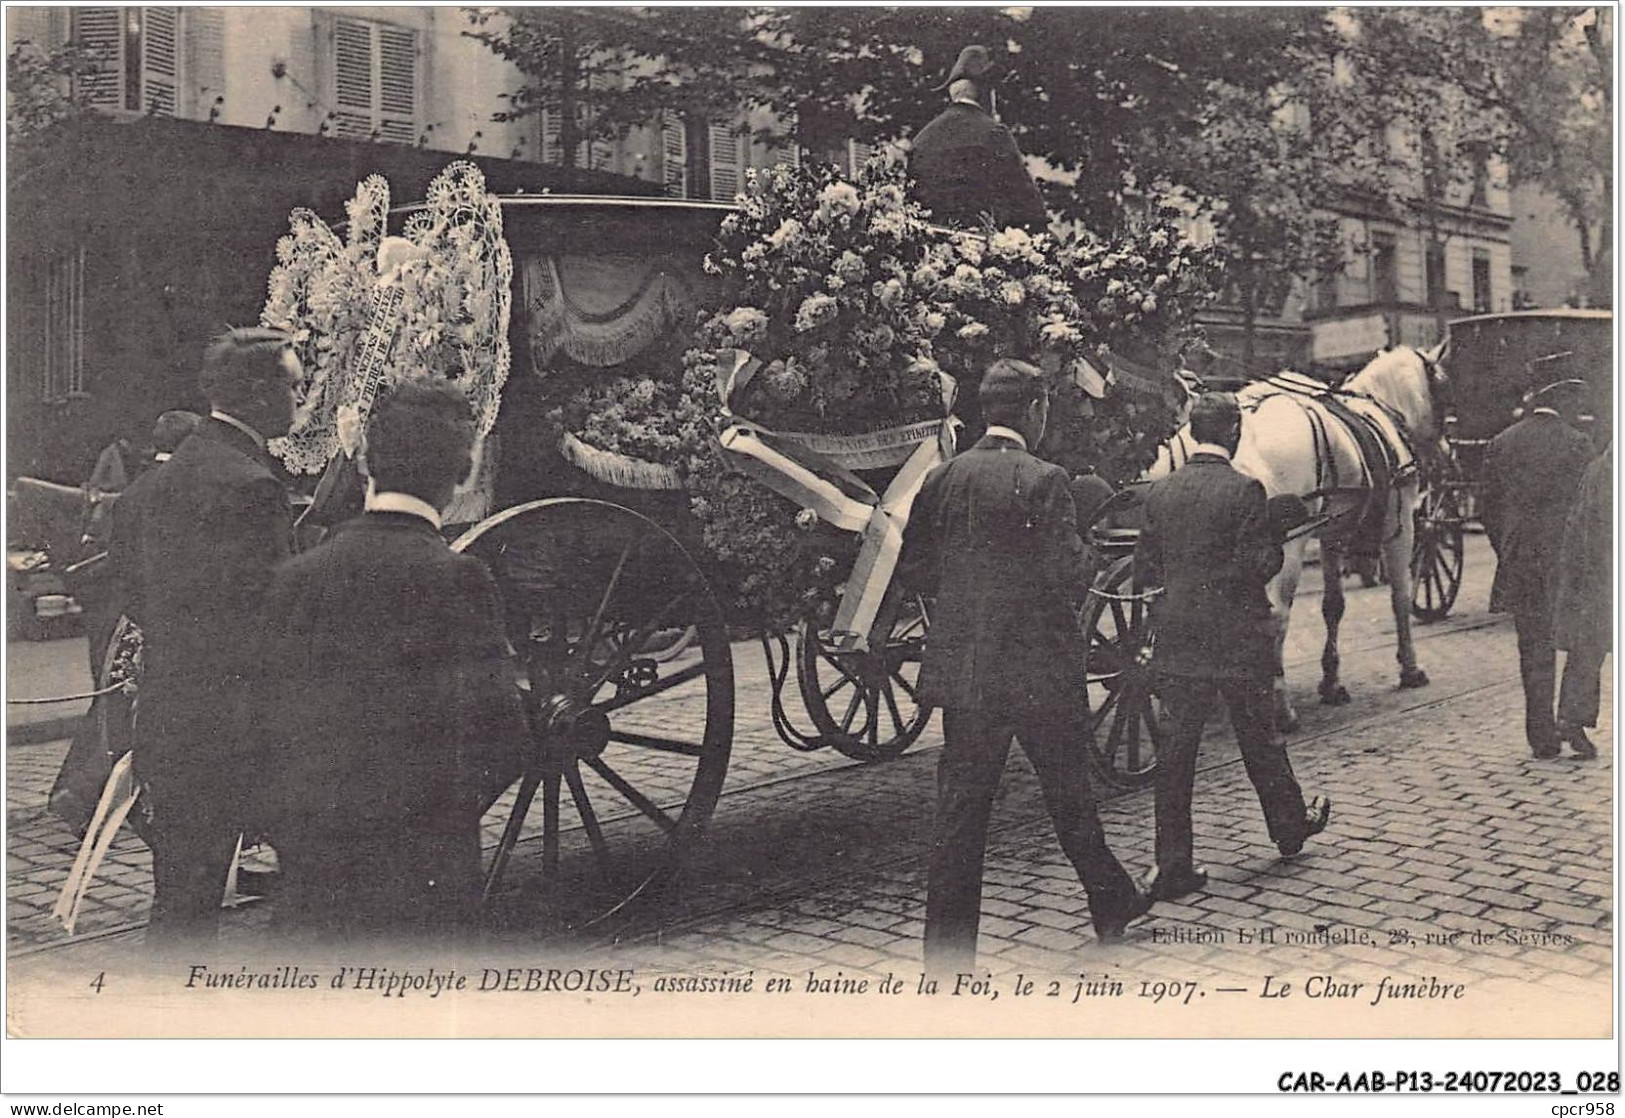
x: 192, y: 553
x: 1529, y: 478
x: 388, y: 719
x: 1206, y: 541
x: 964, y: 164
x: 993, y: 535
x: 1584, y: 620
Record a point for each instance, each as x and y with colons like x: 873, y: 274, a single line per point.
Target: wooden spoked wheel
x: 866, y: 704
x: 1125, y: 731
x: 1437, y: 555
x: 628, y: 752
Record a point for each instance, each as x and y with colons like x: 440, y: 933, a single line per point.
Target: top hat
x: 1550, y: 395
x: 976, y: 63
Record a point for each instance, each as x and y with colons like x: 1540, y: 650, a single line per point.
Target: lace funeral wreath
x: 452, y: 319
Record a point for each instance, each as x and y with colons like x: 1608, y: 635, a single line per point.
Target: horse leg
x: 1282, y: 590
x: 1396, y: 554
x: 1332, y: 603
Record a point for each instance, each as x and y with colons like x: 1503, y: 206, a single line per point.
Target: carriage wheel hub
x: 571, y: 730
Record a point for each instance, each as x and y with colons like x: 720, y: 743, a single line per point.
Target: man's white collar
x: 401, y: 502
x: 1211, y: 448
x: 259, y: 439
x: 1008, y: 433
x: 1546, y: 411
x: 971, y: 101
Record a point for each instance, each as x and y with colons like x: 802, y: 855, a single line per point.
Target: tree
x: 41, y: 94
x: 1532, y: 85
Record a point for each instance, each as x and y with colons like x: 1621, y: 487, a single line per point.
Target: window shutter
x: 674, y: 156
x: 205, y: 34
x: 352, y: 79
x: 102, y: 30
x: 397, y: 84
x: 787, y: 155
x: 725, y: 162
x: 857, y: 154
x: 551, y: 151
x: 160, y: 60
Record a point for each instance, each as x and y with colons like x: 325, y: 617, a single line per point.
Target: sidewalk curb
x: 45, y: 730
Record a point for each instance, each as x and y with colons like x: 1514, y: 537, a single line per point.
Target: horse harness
x: 1384, y: 466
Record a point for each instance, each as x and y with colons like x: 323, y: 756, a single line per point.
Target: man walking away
x: 1207, y: 541
x: 1530, y: 477
x: 994, y: 537
x: 193, y: 559
x: 1584, y: 622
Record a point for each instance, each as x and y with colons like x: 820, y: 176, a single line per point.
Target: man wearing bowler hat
x: 994, y: 537
x: 965, y: 164
x: 1530, y: 479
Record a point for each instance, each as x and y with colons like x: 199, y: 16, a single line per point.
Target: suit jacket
x: 386, y: 706
x: 192, y: 554
x: 964, y: 164
x: 1529, y: 478
x: 1206, y: 541
x: 1584, y: 621
x: 994, y: 538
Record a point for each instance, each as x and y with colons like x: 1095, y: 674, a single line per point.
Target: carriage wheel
x: 1125, y: 734
x: 866, y: 704
x: 629, y: 752
x: 1437, y: 557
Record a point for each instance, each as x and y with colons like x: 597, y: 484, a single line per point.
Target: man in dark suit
x: 994, y: 537
x: 1207, y: 541
x: 192, y: 557
x: 965, y: 164
x: 389, y: 715
x: 1530, y: 476
x: 1584, y: 622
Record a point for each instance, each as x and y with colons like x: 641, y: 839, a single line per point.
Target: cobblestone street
x: 1451, y: 852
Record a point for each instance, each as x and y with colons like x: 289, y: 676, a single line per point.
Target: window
x: 1384, y: 269
x: 674, y: 155
x: 1434, y: 266
x: 142, y: 54
x: 1481, y: 282
x: 1326, y: 290
x: 857, y: 154
x: 374, y: 81
x: 727, y: 162
x: 52, y: 330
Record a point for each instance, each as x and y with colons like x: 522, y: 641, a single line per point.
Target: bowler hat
x: 976, y: 63
x: 1569, y: 389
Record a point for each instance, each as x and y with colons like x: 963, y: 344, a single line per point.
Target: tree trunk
x: 569, y: 82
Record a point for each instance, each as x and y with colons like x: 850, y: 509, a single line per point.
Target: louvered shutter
x: 397, y: 84
x: 205, y: 34
x: 101, y: 30
x: 551, y: 151
x: 726, y: 164
x: 352, y: 79
x: 674, y: 156
x: 160, y: 60
x: 787, y: 154
x: 857, y: 154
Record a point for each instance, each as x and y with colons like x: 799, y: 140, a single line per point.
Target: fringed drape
x: 616, y: 469
x: 596, y: 316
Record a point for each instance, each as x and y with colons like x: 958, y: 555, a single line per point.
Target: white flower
x: 1158, y: 238
x: 788, y: 232
x: 1149, y: 304
x: 892, y: 293
x: 1114, y: 286
x: 1057, y: 329
x: 1012, y: 243
x: 746, y: 323
x: 347, y: 421
x: 970, y: 248
x: 815, y: 311
x: 1013, y: 293
x: 934, y: 322
x: 972, y: 330
x: 838, y: 199
x: 807, y: 519
x: 850, y: 266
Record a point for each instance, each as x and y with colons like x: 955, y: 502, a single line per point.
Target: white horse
x: 1294, y: 443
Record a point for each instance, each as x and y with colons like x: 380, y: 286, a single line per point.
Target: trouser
x: 193, y: 842
x: 1537, y: 664
x: 1251, y: 705
x: 1580, y: 697
x: 976, y: 744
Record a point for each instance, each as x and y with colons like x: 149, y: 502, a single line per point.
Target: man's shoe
x: 1315, y: 818
x: 1545, y: 751
x: 1111, y: 930
x: 1579, y: 742
x: 1175, y: 883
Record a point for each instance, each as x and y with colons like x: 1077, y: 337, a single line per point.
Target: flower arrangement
x: 456, y: 296
x: 864, y: 316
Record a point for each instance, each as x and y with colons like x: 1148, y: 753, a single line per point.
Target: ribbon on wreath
x: 815, y: 472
